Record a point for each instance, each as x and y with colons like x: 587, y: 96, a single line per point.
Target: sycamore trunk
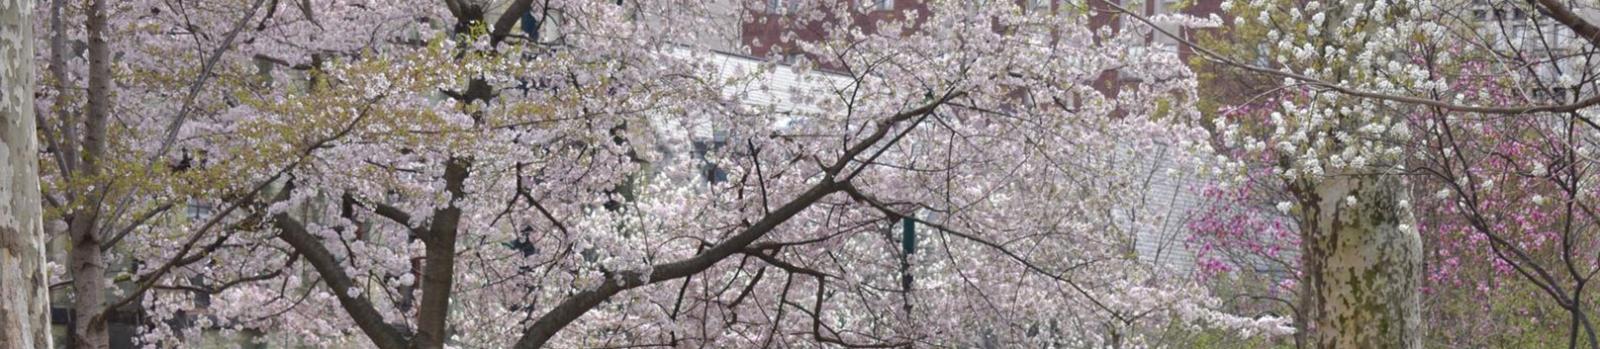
x: 24, y: 299
x: 1362, y: 263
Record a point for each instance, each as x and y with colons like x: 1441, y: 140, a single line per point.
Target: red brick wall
x: 764, y: 29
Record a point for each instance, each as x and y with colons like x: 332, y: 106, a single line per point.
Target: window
x: 1484, y: 11
x: 875, y: 5
x: 1039, y: 5
x: 1167, y: 7
x: 782, y: 6
x: 709, y: 171
x: 197, y: 210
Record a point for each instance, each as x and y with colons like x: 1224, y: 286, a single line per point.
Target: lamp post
x: 908, y: 245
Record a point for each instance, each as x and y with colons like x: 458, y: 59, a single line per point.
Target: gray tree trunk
x: 1362, y: 263
x: 24, y: 296
x: 86, y: 261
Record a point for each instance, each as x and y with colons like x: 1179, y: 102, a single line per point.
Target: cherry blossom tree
x: 568, y: 173
x: 124, y: 78
x: 401, y: 175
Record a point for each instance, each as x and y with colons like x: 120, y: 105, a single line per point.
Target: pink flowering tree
x: 1507, y: 215
x: 1244, y: 237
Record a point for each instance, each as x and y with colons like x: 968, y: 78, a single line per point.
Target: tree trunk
x: 24, y: 295
x: 438, y: 273
x: 1362, y: 261
x: 89, y: 286
x: 86, y: 261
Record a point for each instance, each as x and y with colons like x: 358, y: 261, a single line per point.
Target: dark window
x: 708, y: 170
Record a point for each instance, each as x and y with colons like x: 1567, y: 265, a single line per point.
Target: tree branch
x: 366, y: 317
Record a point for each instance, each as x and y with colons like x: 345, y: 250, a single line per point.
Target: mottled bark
x: 24, y: 296
x: 1362, y: 263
